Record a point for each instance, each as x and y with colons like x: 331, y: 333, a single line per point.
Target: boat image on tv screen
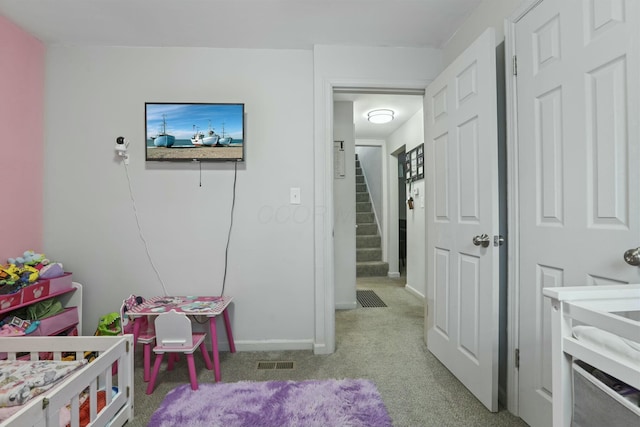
x: 194, y: 131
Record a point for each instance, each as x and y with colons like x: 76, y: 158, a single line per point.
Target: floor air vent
x: 369, y: 299
x: 277, y: 365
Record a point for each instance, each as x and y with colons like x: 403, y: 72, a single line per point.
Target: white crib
x: 614, y: 309
x: 44, y: 410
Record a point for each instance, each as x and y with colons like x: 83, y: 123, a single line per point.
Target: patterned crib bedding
x: 22, y: 380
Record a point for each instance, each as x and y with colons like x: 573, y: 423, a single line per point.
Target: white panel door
x: 579, y: 162
x: 461, y: 159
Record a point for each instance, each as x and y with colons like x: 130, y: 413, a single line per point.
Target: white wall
x: 411, y: 135
x: 94, y: 95
x: 344, y: 66
x: 489, y: 13
x: 344, y: 189
x: 280, y: 254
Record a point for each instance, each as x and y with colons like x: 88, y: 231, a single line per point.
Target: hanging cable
x: 200, y: 166
x: 226, y: 251
x: 135, y: 211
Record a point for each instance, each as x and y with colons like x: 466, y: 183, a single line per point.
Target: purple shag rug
x: 321, y: 403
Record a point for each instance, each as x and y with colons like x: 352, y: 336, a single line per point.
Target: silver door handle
x: 482, y: 240
x: 632, y: 256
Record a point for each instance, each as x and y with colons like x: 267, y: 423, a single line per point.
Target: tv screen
x: 194, y: 131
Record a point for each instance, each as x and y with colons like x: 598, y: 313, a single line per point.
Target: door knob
x: 482, y: 240
x: 632, y: 256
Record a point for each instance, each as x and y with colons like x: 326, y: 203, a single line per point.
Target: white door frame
x: 324, y: 292
x: 513, y: 223
x: 392, y: 213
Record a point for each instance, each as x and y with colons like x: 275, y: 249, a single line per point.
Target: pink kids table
x: 210, y: 307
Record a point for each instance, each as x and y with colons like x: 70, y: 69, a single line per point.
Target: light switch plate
x: 294, y: 196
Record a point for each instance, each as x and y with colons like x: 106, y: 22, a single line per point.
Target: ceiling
x: 252, y: 24
x: 403, y: 106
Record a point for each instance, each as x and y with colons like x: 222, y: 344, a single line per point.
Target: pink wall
x: 21, y: 140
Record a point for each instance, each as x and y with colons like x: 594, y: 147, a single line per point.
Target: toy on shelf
x: 29, y: 258
x: 25, y: 270
x: 22, y: 275
x: 52, y: 270
x: 14, y: 326
x: 9, y: 274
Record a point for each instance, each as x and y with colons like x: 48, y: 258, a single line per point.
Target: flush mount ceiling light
x: 380, y: 116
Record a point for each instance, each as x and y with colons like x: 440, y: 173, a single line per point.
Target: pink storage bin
x: 45, y: 287
x: 10, y: 300
x: 61, y: 283
x: 58, y: 323
x: 38, y: 290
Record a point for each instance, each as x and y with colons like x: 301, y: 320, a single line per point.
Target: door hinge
x: 517, y: 358
x: 515, y: 65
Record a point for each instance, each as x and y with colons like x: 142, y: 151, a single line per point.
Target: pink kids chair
x: 174, y: 335
x: 147, y: 335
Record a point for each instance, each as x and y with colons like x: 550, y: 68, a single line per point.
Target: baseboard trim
x: 222, y: 346
x: 414, y: 291
x: 272, y: 345
x: 320, y: 349
x: 394, y: 275
x: 346, y: 305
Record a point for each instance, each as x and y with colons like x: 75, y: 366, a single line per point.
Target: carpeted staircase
x: 368, y: 242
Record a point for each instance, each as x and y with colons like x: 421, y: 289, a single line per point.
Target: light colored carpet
x: 385, y: 345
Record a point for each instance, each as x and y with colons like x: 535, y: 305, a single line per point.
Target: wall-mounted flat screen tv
x: 194, y: 131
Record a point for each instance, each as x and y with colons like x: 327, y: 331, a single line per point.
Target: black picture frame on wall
x: 414, y: 164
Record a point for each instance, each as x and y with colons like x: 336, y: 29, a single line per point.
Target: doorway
x: 325, y: 261
x: 389, y: 201
x: 402, y: 214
